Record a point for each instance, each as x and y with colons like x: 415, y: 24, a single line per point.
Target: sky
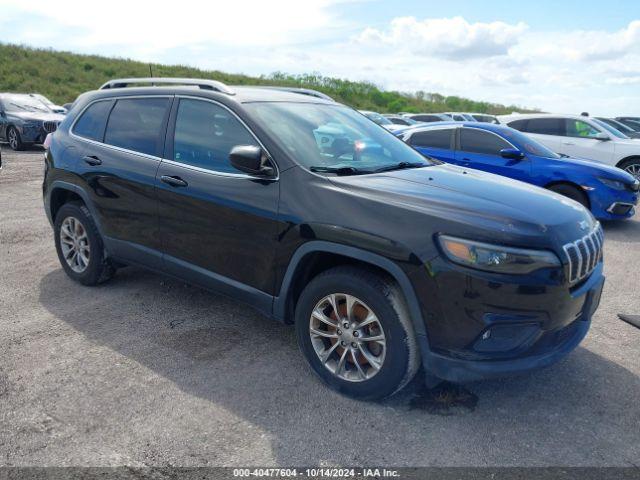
x: 560, y: 56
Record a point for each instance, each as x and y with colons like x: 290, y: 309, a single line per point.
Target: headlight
x: 496, y: 258
x: 615, y: 184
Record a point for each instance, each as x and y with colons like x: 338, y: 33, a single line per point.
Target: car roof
x: 492, y: 127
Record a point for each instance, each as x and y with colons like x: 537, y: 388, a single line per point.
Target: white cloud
x: 448, y: 38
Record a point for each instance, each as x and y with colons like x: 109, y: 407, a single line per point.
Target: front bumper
x: 609, y: 204
x: 487, y: 330
x: 36, y: 133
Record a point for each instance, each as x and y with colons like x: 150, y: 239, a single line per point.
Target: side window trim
x: 459, y: 143
x: 114, y: 101
x: 170, y: 133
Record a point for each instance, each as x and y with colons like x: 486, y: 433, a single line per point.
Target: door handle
x: 92, y: 160
x: 568, y: 143
x: 173, y: 181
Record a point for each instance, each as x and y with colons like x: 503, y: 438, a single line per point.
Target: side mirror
x: 602, y: 136
x: 512, y: 153
x: 250, y: 159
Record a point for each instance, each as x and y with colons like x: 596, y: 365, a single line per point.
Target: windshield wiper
x: 337, y: 170
x: 399, y: 166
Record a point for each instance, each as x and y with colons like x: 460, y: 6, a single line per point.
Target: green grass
x: 62, y: 76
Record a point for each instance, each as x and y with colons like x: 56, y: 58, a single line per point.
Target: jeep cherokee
x: 386, y: 261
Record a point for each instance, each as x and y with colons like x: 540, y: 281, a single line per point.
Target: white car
x: 381, y: 120
x: 581, y: 137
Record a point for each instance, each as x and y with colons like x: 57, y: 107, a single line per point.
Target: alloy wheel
x: 633, y: 169
x: 74, y: 243
x: 13, y: 138
x: 348, y: 337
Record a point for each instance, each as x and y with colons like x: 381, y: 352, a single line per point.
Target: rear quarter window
x: 93, y: 120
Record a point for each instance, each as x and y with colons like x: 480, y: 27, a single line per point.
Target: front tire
x: 354, y: 329
x: 571, y: 192
x: 14, y: 139
x: 79, y: 245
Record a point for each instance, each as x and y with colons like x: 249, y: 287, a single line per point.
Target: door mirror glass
x: 250, y: 159
x: 512, y: 153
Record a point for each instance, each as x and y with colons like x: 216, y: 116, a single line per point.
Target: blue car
x: 609, y: 192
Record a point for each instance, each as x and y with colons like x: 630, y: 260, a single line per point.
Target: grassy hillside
x: 62, y: 76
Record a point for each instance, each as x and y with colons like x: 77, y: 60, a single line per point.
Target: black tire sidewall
x: 93, y: 273
x: 396, y: 363
x: 571, y: 192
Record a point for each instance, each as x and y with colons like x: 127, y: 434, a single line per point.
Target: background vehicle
x: 380, y: 120
x: 607, y: 191
x: 631, y: 122
x: 621, y: 127
x: 484, y: 117
x: 368, y: 247
x: 428, y: 117
x: 580, y: 137
x: 461, y: 117
x: 25, y: 120
x: 400, y: 120
x: 52, y: 106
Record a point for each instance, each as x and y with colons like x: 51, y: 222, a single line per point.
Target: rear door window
x: 546, y: 126
x: 519, y: 125
x: 439, y: 138
x: 136, y: 124
x: 93, y: 120
x: 479, y: 141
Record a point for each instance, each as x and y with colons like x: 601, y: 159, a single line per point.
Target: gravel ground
x: 146, y: 370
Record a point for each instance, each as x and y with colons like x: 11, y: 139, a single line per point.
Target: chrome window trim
x: 169, y: 161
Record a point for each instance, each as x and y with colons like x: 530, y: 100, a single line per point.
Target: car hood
x: 40, y: 116
x: 478, y: 203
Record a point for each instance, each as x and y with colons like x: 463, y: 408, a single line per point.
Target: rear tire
x: 368, y: 362
x: 631, y: 166
x: 571, y: 192
x: 79, y: 245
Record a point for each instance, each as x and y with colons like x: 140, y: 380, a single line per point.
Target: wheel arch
x: 317, y: 256
x: 61, y: 192
x: 626, y: 159
x: 570, y: 184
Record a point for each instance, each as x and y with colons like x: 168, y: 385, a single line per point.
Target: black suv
x: 385, y: 261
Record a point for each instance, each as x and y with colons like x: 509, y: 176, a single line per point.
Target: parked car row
x: 26, y: 119
x: 609, y: 192
x: 582, y: 137
x: 388, y: 262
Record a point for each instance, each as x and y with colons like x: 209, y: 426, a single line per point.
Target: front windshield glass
x: 609, y: 128
x: 528, y: 144
x: 24, y: 103
x: 334, y: 138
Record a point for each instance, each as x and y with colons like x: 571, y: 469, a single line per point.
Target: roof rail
x: 302, y: 91
x: 204, y: 84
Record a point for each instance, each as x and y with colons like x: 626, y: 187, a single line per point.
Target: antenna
x: 150, y: 71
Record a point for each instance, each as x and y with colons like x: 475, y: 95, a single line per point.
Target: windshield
x: 24, y: 103
x: 609, y: 128
x: 334, y: 138
x: 528, y: 144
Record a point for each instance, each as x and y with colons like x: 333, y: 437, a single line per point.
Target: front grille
x: 50, y: 126
x: 584, y: 254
